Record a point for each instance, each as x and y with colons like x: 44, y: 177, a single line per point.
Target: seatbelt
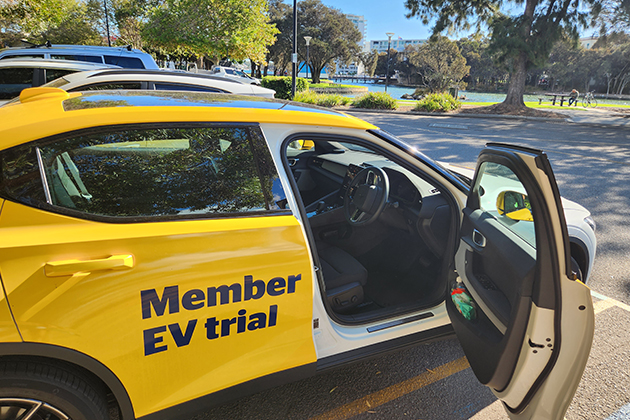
x: 67, y: 183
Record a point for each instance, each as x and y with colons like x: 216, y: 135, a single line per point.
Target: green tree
x: 483, y: 73
x: 334, y: 37
x: 369, y: 60
x: 614, y: 16
x: 441, y: 63
x: 237, y: 29
x: 281, y: 15
x: 381, y: 66
x: 58, y: 21
x: 520, y: 42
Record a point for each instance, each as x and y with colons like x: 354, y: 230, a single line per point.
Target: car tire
x: 575, y: 267
x: 51, y: 392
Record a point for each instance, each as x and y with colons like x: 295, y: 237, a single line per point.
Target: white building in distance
x: 355, y: 68
x: 398, y: 44
x: 588, y: 42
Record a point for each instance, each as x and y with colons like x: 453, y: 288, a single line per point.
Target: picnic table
x: 562, y: 97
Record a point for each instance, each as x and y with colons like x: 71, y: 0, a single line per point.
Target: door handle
x: 478, y: 238
x: 72, y: 267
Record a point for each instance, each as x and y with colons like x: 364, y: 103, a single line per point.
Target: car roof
x: 44, y: 63
x: 59, y: 111
x: 146, y: 75
x: 95, y: 48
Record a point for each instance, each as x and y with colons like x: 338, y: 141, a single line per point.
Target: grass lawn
x: 535, y: 105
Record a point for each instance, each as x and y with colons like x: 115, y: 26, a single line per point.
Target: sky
x: 382, y: 16
x: 389, y: 16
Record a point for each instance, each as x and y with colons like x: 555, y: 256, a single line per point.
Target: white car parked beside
x: 156, y: 80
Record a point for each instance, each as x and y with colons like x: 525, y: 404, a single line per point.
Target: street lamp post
x: 294, y: 55
x: 109, y: 41
x: 308, y: 41
x: 389, y: 45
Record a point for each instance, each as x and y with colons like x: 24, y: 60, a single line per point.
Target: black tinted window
x: 20, y: 178
x: 169, y: 172
x: 12, y: 81
x: 52, y: 74
x: 77, y: 57
x: 126, y: 62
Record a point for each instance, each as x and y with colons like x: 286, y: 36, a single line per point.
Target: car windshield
x: 242, y: 74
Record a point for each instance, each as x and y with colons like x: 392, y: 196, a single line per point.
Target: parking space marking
x: 369, y: 402
x: 376, y: 399
x: 605, y: 302
x: 622, y: 414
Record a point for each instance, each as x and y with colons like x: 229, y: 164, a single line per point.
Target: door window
x: 162, y: 172
x: 503, y: 196
x: 126, y: 62
x: 77, y: 57
x: 12, y: 81
x: 52, y: 74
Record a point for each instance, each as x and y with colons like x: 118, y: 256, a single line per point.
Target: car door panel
x: 516, y: 269
x: 496, y: 265
x: 157, y: 319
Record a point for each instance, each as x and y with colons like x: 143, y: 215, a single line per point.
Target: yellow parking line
x: 388, y: 394
x: 605, y: 302
x: 602, y: 305
x: 369, y: 402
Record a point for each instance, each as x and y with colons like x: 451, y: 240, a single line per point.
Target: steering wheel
x: 366, y: 196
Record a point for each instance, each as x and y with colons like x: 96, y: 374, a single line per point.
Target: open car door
x: 525, y: 323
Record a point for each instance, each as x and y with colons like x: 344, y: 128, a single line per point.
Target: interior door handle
x: 478, y: 238
x: 72, y: 267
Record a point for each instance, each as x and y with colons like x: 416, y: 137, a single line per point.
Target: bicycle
x: 589, y: 100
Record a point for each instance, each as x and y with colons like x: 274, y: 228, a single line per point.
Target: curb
x: 567, y: 120
x: 435, y: 114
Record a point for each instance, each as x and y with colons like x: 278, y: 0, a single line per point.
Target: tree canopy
x: 58, y: 21
x: 519, y: 41
x: 334, y: 36
x: 236, y: 29
x: 440, y: 62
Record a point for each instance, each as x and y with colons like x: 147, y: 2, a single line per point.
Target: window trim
x: 147, y: 219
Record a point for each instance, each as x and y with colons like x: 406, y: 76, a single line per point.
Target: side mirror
x: 514, y: 205
x: 302, y: 144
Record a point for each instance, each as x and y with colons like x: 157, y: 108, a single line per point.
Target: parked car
x: 156, y: 80
x: 20, y: 73
x: 233, y: 73
x: 162, y: 251
x: 126, y: 57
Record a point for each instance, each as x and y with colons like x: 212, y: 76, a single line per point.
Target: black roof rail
x: 46, y: 44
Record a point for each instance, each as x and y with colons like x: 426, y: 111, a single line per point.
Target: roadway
x: 433, y: 381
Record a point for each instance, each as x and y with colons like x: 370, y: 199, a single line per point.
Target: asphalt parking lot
x: 433, y: 381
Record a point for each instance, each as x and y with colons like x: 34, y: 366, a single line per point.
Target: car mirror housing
x: 514, y: 205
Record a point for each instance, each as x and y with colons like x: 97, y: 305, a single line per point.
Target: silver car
x: 156, y: 80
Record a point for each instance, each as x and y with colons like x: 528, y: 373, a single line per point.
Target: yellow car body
x: 170, y: 311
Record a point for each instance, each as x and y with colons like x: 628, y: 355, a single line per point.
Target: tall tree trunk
x: 516, y: 86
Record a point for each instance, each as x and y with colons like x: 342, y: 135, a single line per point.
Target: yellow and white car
x: 164, y: 251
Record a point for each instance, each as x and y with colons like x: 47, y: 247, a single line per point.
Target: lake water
x: 397, y: 92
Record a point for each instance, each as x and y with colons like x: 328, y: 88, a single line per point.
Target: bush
x: 438, y: 102
x: 375, y: 100
x: 282, y: 85
x: 321, y: 99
